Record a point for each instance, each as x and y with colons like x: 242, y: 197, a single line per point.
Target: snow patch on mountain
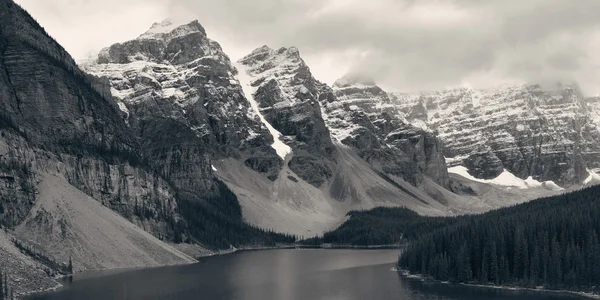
x: 170, y: 27
x: 506, y: 179
x: 165, y: 26
x: 592, y: 177
x: 530, y: 182
x: 245, y: 81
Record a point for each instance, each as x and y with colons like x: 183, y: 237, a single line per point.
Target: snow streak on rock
x: 246, y: 82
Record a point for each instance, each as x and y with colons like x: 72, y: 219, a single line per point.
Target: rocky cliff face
x: 49, y: 111
x: 54, y: 122
x: 547, y: 132
x: 361, y: 115
x: 179, y: 92
x: 286, y: 94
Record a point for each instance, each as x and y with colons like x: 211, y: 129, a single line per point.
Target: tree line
x: 551, y: 242
x: 380, y: 226
x: 217, y: 224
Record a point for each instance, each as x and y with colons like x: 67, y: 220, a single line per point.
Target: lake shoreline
x: 300, y: 246
x: 213, y: 254
x: 340, y: 246
x: 407, y: 274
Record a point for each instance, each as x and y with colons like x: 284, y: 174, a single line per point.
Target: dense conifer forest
x: 550, y: 242
x: 218, y: 224
x: 380, y: 226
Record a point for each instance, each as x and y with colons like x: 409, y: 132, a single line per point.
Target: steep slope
x: 173, y: 78
x: 546, y: 132
x: 290, y: 100
x: 25, y: 275
x: 67, y: 224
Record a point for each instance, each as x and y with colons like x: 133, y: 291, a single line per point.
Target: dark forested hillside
x: 550, y: 242
x: 381, y: 226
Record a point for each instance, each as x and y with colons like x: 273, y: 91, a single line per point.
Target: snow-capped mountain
x: 290, y: 148
x: 546, y: 132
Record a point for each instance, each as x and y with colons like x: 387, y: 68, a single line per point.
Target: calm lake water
x: 280, y: 275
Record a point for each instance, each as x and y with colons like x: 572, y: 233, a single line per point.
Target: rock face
x: 55, y: 122
x: 286, y: 94
x: 49, y: 109
x: 547, y: 132
x: 361, y: 115
x: 179, y: 92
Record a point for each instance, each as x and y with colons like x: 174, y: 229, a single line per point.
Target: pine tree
x: 70, y: 265
x: 555, y: 266
x: 517, y: 254
x: 464, y: 264
x: 535, y: 267
x: 484, y: 267
x: 5, y: 286
x: 494, y: 269
x: 1, y: 286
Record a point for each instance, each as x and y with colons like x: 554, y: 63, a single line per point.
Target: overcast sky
x: 406, y: 45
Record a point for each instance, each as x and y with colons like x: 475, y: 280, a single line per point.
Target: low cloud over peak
x: 403, y: 44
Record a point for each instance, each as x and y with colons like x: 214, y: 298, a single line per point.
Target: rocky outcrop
x: 547, y: 132
x: 361, y: 115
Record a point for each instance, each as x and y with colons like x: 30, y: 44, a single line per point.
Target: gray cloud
x: 404, y: 44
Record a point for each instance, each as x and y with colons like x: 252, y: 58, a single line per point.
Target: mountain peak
x: 354, y: 79
x: 172, y: 27
x: 265, y: 51
x: 291, y: 51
